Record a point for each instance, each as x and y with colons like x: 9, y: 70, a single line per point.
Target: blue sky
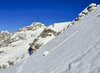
x: 15, y: 14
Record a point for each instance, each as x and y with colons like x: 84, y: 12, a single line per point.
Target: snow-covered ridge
x: 58, y: 27
x: 54, y: 29
x: 87, y: 10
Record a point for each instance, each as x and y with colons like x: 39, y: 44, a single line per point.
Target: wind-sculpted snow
x: 76, y: 50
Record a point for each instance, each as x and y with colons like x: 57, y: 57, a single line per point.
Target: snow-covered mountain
x: 76, y: 50
x: 56, y: 28
x: 14, y: 46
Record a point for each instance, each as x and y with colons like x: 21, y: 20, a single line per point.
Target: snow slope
x: 76, y: 50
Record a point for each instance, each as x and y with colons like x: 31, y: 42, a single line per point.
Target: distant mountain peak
x: 5, y: 32
x: 37, y: 24
x: 34, y: 26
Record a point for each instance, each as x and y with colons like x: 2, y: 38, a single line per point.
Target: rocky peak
x: 5, y: 32
x: 5, y: 35
x: 5, y: 38
x: 37, y: 24
x: 34, y: 26
x: 91, y: 7
x: 86, y: 11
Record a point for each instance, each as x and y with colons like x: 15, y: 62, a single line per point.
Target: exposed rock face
x: 47, y: 32
x: 91, y: 7
x: 86, y: 11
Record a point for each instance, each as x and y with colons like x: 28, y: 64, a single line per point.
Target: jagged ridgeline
x: 35, y: 30
x: 87, y: 10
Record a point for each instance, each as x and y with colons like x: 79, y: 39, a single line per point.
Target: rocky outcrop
x: 86, y: 11
x: 34, y: 26
x: 5, y: 37
x: 47, y: 32
x: 91, y: 7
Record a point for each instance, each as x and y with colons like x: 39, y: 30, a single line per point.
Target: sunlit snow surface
x: 76, y: 50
